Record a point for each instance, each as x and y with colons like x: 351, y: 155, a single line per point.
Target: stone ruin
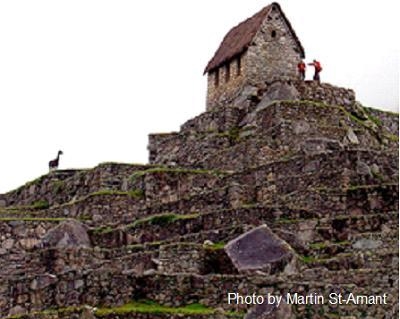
x: 285, y: 186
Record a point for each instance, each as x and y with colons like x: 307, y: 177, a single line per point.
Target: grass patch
x: 41, y: 204
x: 103, y: 230
x: 48, y: 312
x: 308, y: 259
x: 135, y: 193
x: 150, y: 307
x: 392, y: 137
x: 232, y: 134
x: 134, y: 307
x: 161, y: 219
x: 320, y: 245
x: 215, y: 246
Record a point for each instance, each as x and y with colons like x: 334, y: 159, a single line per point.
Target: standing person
x: 301, y: 68
x: 317, y: 66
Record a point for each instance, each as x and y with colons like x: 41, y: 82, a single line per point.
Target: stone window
x: 227, y: 72
x: 273, y: 33
x: 239, y: 65
x: 216, y: 77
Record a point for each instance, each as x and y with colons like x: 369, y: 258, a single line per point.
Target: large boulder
x: 260, y: 250
x: 70, y: 233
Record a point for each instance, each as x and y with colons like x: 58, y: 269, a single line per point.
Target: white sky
x: 94, y: 77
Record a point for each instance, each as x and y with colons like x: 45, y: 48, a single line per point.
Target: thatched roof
x: 239, y: 38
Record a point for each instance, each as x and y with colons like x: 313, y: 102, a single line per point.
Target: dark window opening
x: 216, y: 78
x: 238, y: 66
x: 227, y: 72
x: 273, y: 33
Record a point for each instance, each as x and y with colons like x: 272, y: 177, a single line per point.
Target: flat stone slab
x: 259, y: 249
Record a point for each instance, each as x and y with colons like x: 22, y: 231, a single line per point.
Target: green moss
x: 134, y: 307
x: 392, y: 137
x: 308, y: 259
x: 378, y: 175
x: 41, y: 204
x: 136, y: 193
x: 161, y: 219
x: 215, y: 246
x: 49, y: 312
x: 103, y: 230
x: 232, y: 134
x: 320, y: 245
x: 150, y: 307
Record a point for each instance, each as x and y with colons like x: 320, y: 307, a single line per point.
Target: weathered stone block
x: 259, y: 249
x: 68, y: 234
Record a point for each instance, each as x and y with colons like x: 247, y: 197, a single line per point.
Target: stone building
x: 257, y: 52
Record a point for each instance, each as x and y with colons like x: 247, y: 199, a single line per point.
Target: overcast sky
x: 94, y: 78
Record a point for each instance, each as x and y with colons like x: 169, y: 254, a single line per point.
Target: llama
x: 53, y: 164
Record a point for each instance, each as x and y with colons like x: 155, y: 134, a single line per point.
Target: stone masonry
x: 257, y: 52
x: 284, y: 186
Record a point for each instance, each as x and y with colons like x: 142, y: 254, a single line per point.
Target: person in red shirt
x: 317, y: 66
x: 301, y: 68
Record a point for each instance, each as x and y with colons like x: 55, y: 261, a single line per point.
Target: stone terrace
x: 321, y: 171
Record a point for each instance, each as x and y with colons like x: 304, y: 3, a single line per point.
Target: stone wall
x: 325, y: 93
x: 227, y: 88
x: 272, y: 130
x: 389, y: 120
x: 62, y: 186
x: 272, y: 56
x: 176, y: 290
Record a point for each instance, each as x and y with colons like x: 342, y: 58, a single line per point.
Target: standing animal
x: 53, y: 164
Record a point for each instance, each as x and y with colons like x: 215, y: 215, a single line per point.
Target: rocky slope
x: 151, y: 241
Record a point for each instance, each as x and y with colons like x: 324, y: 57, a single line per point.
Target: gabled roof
x: 239, y: 38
